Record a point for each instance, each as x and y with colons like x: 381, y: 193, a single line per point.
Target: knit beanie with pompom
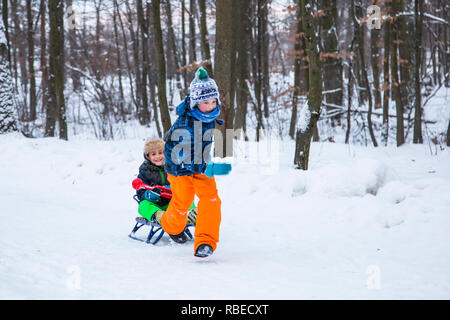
x: 203, y: 88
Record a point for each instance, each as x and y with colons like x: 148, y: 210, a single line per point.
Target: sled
x: 156, y: 231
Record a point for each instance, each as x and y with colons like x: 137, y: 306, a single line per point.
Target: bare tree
x: 31, y: 73
x: 310, y: 115
x: 222, y: 68
x: 57, y: 108
x: 204, y: 37
x: 162, y: 98
x: 8, y: 118
x: 396, y: 7
x: 418, y: 14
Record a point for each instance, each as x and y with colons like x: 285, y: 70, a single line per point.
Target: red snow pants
x: 184, y: 188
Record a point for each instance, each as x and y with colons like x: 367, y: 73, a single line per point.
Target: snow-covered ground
x: 362, y: 223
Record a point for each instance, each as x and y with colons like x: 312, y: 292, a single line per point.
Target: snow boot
x: 156, y: 217
x: 203, y: 251
x: 179, y: 238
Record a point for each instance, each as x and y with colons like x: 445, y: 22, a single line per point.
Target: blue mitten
x: 151, y: 196
x: 217, y: 169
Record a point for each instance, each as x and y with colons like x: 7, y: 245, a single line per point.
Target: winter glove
x: 151, y: 196
x: 217, y: 169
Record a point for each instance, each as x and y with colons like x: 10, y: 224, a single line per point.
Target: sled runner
x: 156, y: 231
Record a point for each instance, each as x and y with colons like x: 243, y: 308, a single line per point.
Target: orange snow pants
x: 184, y: 188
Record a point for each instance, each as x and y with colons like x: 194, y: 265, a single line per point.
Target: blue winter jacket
x: 188, y: 142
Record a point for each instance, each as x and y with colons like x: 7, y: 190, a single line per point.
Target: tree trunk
x: 309, y: 117
x: 144, y: 114
x: 74, y: 53
x: 183, y: 46
x: 116, y: 13
x: 332, y: 66
x: 360, y: 41
x: 192, y: 42
x: 448, y: 134
x: 127, y: 58
x: 8, y: 118
x: 258, y: 77
x: 387, y: 82
x: 44, y: 67
x: 395, y: 76
x: 153, y: 68
x: 297, y: 74
x: 375, y: 59
x: 31, y: 73
x: 204, y: 37
x: 173, y: 56
x: 165, y: 116
x: 418, y: 13
x: 265, y: 81
x: 351, y: 82
x: 242, y: 65
x: 56, y: 18
x: 223, y: 69
x: 136, y: 59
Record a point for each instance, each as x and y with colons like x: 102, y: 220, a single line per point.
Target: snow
x: 362, y: 223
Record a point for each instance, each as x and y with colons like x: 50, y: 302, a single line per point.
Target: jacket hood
x: 184, y: 106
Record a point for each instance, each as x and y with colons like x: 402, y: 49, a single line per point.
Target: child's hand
x: 151, y: 196
x: 217, y: 169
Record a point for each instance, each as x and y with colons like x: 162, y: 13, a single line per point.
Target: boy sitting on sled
x: 152, y: 173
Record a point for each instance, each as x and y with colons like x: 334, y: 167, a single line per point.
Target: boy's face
x: 207, y: 106
x: 157, y: 157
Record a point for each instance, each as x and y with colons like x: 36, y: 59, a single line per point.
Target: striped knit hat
x: 203, y: 88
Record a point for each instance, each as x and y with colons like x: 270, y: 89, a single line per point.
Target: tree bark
x: 387, y: 81
x: 192, y: 42
x: 265, y: 81
x: 136, y: 59
x: 163, y: 107
x: 395, y: 76
x: 56, y: 18
x: 448, y: 134
x: 204, y: 37
x: 8, y: 118
x: 31, y: 73
x: 116, y: 13
x: 173, y: 51
x: 144, y: 114
x: 375, y: 59
x: 183, y: 46
x: 310, y: 116
x: 418, y: 13
x: 242, y: 92
x: 153, y: 68
x: 332, y: 66
x: 360, y: 41
x: 298, y: 45
x: 74, y: 53
x: 223, y: 69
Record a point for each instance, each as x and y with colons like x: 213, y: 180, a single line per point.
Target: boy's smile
x: 207, y: 106
x: 157, y: 157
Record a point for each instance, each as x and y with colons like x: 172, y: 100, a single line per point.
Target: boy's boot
x: 156, y: 217
x: 179, y: 238
x: 203, y: 251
